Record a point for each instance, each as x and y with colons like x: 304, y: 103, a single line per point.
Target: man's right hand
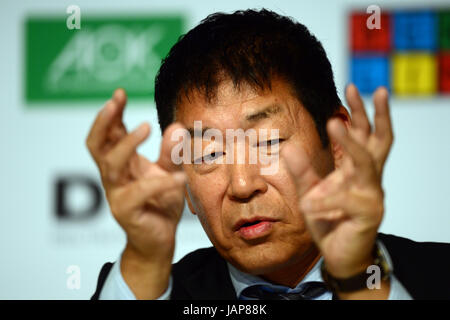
x: 145, y: 198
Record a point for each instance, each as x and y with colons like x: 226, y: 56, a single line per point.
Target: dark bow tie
x: 309, y: 291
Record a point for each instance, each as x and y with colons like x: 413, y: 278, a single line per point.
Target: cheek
x: 284, y: 185
x: 206, y: 193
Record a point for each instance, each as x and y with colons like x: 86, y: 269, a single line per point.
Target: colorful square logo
x: 409, y: 53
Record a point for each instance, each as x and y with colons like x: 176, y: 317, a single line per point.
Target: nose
x: 245, y: 182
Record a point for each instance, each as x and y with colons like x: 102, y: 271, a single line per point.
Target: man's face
x: 224, y: 196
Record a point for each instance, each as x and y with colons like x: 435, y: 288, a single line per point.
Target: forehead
x: 239, y: 107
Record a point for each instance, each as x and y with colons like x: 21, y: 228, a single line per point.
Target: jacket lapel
x: 211, y: 281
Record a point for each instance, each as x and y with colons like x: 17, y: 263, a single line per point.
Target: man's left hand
x: 344, y: 210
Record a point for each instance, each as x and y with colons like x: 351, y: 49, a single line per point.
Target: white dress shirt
x: 115, y: 287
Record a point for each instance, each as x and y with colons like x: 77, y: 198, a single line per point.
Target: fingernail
x: 179, y: 177
x: 116, y: 93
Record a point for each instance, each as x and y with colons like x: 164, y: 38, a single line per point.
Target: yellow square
x: 414, y: 74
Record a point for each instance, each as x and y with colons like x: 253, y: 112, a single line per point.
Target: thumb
x: 174, y: 138
x: 300, y: 168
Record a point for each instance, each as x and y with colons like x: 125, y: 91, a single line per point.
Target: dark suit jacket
x: 423, y: 268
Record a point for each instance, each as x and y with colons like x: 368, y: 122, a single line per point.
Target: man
x: 309, y: 230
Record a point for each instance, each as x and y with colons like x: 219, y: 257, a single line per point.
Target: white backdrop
x: 38, y: 145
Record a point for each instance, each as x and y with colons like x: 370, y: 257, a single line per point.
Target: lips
x: 253, y: 228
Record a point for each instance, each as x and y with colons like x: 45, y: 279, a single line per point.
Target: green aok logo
x: 89, y: 63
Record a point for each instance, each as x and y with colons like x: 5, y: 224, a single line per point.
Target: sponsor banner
x: 63, y: 64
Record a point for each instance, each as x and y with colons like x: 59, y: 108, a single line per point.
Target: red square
x: 444, y: 72
x: 364, y: 39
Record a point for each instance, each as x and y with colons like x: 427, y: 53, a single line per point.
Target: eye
x: 270, y: 142
x: 211, y: 157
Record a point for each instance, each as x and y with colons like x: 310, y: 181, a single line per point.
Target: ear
x: 189, y: 201
x: 336, y: 148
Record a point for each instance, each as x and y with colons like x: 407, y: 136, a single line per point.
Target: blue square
x: 370, y: 72
x: 415, y: 30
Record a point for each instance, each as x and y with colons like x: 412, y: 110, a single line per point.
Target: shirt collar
x: 242, y: 280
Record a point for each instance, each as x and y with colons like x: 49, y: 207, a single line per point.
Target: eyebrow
x: 195, y: 133
x: 256, y: 116
x: 265, y: 113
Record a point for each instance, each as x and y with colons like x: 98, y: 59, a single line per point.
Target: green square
x: 89, y: 63
x: 444, y: 29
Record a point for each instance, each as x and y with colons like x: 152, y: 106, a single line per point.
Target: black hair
x: 251, y: 47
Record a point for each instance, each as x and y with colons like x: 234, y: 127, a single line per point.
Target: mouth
x: 254, y: 228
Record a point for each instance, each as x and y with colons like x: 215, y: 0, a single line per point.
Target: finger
x: 299, y: 166
x: 98, y: 132
x: 327, y: 203
x: 322, y: 223
x: 353, y: 204
x: 120, y: 98
x: 139, y: 192
x: 361, y: 158
x: 314, y: 217
x: 103, y: 126
x: 332, y: 183
x: 359, y: 115
x: 173, y: 135
x: 116, y: 159
x: 383, y: 124
x: 117, y: 130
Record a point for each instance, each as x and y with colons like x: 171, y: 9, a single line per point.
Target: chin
x: 264, y: 258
